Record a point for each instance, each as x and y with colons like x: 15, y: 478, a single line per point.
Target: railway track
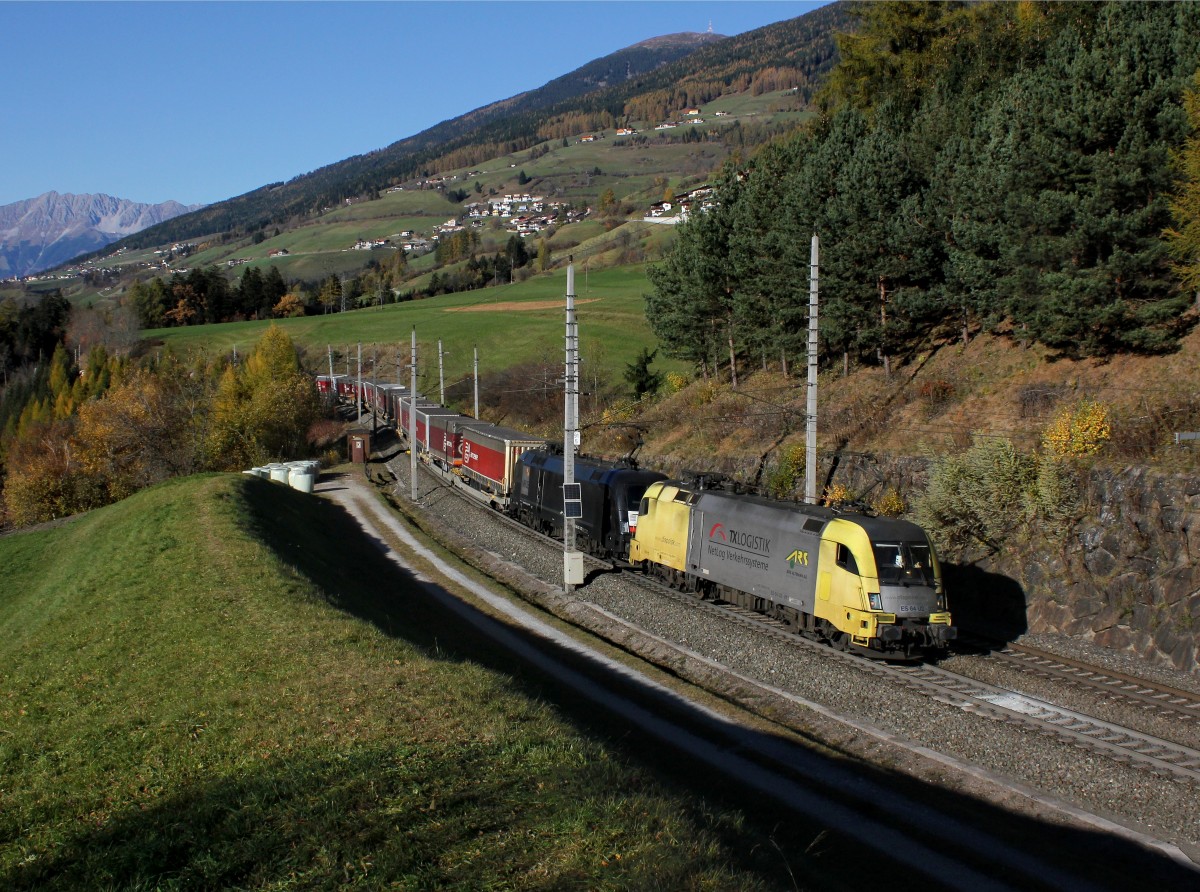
x: 1109, y: 740
x: 480, y: 501
x: 1162, y: 757
x: 1163, y: 700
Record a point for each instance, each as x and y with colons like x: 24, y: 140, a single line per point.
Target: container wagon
x: 489, y: 456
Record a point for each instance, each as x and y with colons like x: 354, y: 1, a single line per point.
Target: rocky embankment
x: 1124, y: 577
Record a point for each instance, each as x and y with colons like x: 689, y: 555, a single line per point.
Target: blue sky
x: 199, y: 102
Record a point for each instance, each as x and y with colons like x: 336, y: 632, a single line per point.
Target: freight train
x: 865, y: 584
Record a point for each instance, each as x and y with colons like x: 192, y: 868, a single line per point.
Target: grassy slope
x: 941, y: 401
x: 612, y: 326
x: 197, y: 690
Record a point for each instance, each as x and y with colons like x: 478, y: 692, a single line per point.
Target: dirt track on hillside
x: 505, y: 306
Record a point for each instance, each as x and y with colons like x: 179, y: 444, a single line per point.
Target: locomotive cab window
x: 904, y: 563
x: 845, y: 559
x: 633, y: 494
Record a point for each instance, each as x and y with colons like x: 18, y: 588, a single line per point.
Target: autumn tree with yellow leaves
x: 262, y: 410
x: 108, y: 430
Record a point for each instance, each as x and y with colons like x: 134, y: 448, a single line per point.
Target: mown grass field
x: 509, y: 324
x: 221, y: 683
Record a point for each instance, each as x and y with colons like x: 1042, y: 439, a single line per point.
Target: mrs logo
x: 797, y: 558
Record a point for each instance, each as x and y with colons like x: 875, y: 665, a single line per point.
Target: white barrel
x: 279, y: 472
x: 301, y: 479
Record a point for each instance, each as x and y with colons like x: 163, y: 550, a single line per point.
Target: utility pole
x: 358, y: 390
x: 810, y: 434
x: 572, y: 501
x: 476, y: 382
x: 332, y: 384
x: 412, y: 417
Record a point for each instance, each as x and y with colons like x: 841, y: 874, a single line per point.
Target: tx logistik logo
x: 740, y: 539
x: 797, y: 558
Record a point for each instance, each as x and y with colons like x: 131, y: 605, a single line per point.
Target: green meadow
x: 221, y: 683
x: 509, y: 324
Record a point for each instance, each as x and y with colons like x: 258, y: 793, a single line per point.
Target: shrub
x: 936, y: 392
x: 675, y: 382
x: 1078, y: 431
x: 889, y: 504
x: 789, y: 472
x: 1056, y: 493
x: 836, y: 495
x: 622, y: 411
x: 706, y: 392
x: 992, y: 492
x: 978, y: 497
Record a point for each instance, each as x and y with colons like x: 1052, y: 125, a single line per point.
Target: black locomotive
x: 611, y: 493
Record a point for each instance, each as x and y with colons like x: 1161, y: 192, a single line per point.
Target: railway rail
x: 1106, y: 739
x: 1164, y: 758
x: 1168, y: 702
x: 481, y: 501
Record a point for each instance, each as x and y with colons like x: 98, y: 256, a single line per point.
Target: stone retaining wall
x: 1126, y: 576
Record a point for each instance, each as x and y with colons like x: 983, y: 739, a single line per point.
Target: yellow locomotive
x: 866, y: 584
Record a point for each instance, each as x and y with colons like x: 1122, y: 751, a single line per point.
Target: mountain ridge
x: 50, y: 229
x: 803, y: 45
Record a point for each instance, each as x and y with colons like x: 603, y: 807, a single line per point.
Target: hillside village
x: 524, y: 214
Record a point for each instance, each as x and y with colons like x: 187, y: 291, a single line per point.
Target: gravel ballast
x: 1026, y: 763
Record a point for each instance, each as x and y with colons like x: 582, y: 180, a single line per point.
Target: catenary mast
x: 810, y: 434
x: 572, y: 503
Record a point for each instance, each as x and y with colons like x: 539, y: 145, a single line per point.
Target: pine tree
x: 639, y: 376
x: 1184, y: 237
x: 692, y: 308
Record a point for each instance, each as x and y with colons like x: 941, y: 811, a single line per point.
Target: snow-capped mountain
x: 43, y: 232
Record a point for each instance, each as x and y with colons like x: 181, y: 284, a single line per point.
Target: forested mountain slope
x: 979, y: 165
x: 796, y: 53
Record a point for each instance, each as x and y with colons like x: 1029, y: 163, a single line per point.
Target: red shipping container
x: 489, y: 453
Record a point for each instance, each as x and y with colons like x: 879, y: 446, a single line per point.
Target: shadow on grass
x: 380, y: 814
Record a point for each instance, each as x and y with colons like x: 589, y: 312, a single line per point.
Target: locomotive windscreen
x: 634, y: 493
x: 904, y: 563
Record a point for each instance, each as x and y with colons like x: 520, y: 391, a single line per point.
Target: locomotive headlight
x: 876, y: 601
